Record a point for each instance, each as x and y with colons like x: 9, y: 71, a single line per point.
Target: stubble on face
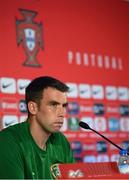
x: 52, y: 110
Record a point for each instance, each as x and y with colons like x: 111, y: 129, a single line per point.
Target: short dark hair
x: 36, y: 87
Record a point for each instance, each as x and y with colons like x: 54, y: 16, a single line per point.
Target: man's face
x: 50, y: 114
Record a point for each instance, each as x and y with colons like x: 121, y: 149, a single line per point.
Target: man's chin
x: 56, y: 130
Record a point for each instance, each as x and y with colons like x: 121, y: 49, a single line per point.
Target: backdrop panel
x: 85, y: 43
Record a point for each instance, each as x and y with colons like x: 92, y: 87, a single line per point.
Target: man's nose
x: 61, y: 110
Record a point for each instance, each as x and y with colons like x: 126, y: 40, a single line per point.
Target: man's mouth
x: 59, y: 124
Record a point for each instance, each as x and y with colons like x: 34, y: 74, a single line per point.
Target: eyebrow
x: 56, y: 103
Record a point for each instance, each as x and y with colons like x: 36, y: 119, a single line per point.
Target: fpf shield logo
x: 29, y: 35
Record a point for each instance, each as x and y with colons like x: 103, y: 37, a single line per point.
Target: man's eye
x: 53, y: 105
x: 65, y: 105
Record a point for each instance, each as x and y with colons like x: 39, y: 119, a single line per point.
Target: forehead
x: 54, y: 94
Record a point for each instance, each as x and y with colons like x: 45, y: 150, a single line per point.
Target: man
x: 28, y: 149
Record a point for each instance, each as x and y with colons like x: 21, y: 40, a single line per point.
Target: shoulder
x: 12, y: 133
x: 12, y: 139
x: 11, y: 156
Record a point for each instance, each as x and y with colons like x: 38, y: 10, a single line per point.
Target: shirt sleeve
x: 11, y: 165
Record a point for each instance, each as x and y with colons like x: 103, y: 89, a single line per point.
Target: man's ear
x: 32, y: 107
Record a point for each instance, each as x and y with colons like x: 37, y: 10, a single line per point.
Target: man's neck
x: 39, y: 136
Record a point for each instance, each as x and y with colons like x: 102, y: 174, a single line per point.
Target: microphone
x: 86, y: 126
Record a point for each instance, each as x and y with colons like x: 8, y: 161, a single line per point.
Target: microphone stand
x: 86, y: 126
x: 107, y: 139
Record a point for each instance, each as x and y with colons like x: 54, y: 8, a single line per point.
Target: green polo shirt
x: 21, y: 157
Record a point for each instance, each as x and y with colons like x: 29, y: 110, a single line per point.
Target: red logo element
x: 29, y: 35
